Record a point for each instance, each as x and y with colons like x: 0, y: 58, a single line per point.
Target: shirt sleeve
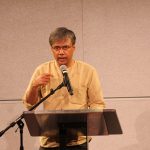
x: 95, y: 95
x: 34, y: 76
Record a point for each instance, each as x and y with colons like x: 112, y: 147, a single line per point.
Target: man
x: 87, y: 93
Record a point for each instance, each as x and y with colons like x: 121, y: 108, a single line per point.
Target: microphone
x: 66, y: 80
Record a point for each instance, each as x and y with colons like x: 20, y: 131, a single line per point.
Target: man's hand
x: 41, y: 80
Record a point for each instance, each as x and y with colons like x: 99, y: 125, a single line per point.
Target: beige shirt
x: 87, y: 93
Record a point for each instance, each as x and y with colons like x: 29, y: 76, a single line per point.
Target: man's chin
x: 62, y: 63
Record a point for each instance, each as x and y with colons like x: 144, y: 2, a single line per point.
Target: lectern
x: 66, y: 124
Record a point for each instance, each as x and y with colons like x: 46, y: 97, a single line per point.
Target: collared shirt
x: 87, y: 93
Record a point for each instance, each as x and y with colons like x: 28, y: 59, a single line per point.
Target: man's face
x: 63, y: 52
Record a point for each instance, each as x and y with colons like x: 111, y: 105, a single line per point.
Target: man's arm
x: 95, y: 93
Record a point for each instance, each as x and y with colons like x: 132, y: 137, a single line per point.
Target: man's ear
x: 51, y: 50
x: 74, y: 47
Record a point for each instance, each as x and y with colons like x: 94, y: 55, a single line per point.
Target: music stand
x: 62, y: 123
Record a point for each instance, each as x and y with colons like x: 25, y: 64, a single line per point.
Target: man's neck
x: 68, y: 65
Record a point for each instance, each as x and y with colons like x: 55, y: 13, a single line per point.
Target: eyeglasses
x: 58, y: 48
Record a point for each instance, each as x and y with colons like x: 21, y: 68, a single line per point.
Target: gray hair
x: 62, y: 33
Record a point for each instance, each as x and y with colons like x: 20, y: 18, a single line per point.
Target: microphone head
x: 63, y: 68
x: 66, y: 81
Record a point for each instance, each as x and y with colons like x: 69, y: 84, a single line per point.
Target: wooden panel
x: 25, y: 28
x: 116, y: 41
x: 134, y: 117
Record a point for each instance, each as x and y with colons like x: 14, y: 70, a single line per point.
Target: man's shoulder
x: 84, y: 65
x: 46, y: 64
x: 45, y: 67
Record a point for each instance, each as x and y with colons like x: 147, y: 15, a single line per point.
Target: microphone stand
x: 19, y: 121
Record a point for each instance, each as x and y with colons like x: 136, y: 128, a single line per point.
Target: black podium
x: 66, y: 124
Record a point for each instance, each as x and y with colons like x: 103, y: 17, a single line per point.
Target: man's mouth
x: 62, y: 58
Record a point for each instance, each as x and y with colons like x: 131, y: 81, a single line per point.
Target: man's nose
x: 61, y: 51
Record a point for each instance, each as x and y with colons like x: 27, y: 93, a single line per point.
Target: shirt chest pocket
x: 79, y: 95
